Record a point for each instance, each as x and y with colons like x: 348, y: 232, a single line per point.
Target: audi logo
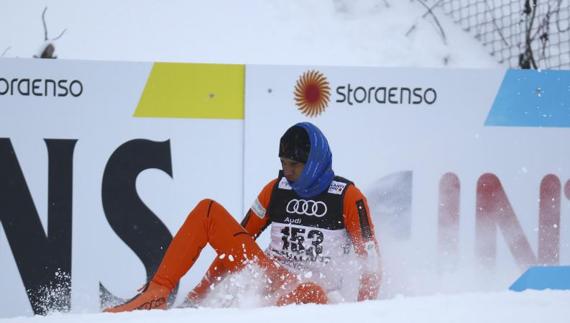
x: 309, y: 208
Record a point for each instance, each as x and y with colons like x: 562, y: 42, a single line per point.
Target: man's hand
x: 369, y: 286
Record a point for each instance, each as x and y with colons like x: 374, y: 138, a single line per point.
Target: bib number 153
x: 299, y: 240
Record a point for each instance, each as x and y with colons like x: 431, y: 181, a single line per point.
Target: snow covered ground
x: 307, y: 32
x: 530, y: 306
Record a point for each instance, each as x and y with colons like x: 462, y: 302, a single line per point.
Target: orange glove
x: 369, y: 286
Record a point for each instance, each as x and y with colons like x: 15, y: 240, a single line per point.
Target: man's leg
x: 209, y: 223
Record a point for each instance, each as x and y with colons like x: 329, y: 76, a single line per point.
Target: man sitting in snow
x: 321, y: 236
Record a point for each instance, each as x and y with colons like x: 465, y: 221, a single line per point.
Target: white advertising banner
x: 466, y: 171
x: 100, y: 163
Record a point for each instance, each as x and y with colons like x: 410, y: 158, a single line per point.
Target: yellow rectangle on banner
x: 178, y: 90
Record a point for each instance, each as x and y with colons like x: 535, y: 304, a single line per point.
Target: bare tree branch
x: 432, y: 14
x: 529, y: 37
x: 412, y: 28
x: 46, y: 37
x: 435, y: 5
x: 49, y: 49
x: 44, y: 23
x: 5, y: 51
x: 494, y: 20
x: 526, y: 59
x: 60, y: 34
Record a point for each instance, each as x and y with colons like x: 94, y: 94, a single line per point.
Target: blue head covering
x: 317, y: 174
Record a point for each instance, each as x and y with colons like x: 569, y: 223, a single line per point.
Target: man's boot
x: 154, y: 296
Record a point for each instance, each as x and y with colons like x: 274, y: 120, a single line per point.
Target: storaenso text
x: 385, y: 95
x: 40, y: 87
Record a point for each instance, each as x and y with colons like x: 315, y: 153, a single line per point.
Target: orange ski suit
x: 209, y: 222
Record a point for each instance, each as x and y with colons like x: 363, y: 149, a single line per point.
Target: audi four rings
x: 307, y: 207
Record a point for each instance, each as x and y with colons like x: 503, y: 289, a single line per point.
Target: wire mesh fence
x: 519, y: 33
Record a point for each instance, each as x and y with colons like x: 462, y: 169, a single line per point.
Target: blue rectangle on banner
x: 532, y: 99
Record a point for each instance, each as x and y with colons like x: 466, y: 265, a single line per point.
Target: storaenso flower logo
x: 312, y: 93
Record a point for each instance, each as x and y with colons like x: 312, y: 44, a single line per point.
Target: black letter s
x: 340, y: 93
x: 127, y: 214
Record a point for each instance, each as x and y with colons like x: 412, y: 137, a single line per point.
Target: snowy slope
x: 530, y: 306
